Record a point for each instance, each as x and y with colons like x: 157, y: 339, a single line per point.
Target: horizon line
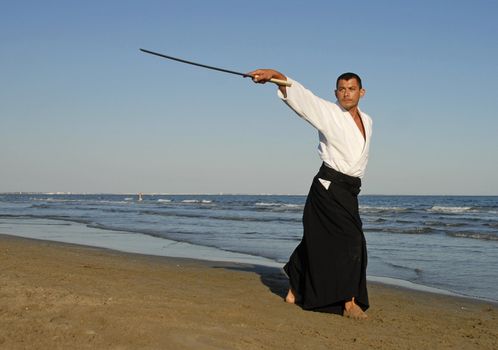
x: 59, y: 193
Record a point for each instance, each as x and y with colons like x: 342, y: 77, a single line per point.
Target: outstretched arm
x: 261, y: 76
x: 307, y: 105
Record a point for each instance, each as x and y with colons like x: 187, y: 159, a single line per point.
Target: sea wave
x: 119, y: 210
x: 450, y: 210
x: 49, y: 217
x: 276, y: 204
x: 270, y: 204
x: 417, y: 271
x: 202, y: 201
x: 474, y: 235
x: 445, y: 224
x: 81, y: 201
x: 196, y: 215
x: 40, y: 206
x: 401, y: 230
x: 276, y: 207
x: 382, y: 209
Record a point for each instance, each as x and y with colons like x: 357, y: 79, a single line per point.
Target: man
x: 327, y: 270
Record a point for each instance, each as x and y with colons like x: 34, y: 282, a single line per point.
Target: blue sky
x: 83, y: 110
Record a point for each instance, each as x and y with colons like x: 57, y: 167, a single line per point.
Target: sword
x: 275, y: 81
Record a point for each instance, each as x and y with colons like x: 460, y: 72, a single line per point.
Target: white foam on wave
x: 474, y: 235
x: 164, y: 200
x: 268, y: 204
x: 375, y: 208
x: 452, y: 210
x: 279, y: 206
x: 204, y: 201
x: 125, y: 201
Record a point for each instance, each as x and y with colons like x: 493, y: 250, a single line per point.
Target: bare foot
x: 290, y: 298
x: 352, y: 310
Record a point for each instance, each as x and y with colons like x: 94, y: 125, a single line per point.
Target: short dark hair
x: 348, y: 76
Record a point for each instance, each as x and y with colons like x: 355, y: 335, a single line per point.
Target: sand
x: 61, y: 296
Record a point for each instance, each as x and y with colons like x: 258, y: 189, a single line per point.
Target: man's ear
x: 335, y: 93
x: 362, y: 92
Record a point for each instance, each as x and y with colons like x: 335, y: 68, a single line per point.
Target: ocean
x: 445, y: 242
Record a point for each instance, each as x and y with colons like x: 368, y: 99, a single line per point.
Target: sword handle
x: 281, y: 82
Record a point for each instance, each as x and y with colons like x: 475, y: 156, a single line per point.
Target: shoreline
x: 61, y: 295
x: 77, y: 233
x: 382, y: 281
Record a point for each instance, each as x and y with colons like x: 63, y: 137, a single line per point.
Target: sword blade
x: 196, y: 64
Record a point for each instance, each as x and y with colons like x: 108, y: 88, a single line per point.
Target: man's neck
x: 355, y: 113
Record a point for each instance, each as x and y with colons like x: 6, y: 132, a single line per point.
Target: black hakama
x: 329, y: 266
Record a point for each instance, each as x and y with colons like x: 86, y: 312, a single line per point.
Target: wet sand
x: 61, y: 296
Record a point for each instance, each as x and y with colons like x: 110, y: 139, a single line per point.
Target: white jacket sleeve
x: 311, y: 108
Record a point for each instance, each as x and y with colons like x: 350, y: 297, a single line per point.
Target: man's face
x: 348, y: 93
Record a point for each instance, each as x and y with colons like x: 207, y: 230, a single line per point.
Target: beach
x: 57, y: 295
x: 444, y: 242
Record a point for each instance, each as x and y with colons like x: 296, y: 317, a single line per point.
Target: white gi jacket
x: 341, y: 146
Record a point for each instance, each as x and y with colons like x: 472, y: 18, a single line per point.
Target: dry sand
x: 60, y: 296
